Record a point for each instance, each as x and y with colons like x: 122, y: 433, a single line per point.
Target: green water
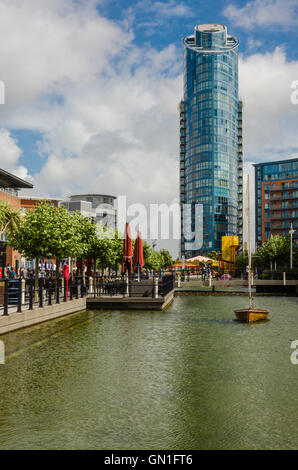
x: 187, y: 378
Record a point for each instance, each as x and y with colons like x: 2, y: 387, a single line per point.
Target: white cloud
x: 270, y: 119
x: 165, y: 9
x: 10, y: 154
x: 254, y: 44
x: 264, y: 13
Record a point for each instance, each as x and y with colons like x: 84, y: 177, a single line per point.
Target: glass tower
x: 211, y: 136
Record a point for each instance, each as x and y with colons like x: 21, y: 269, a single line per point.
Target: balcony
x: 276, y: 190
x: 283, y: 198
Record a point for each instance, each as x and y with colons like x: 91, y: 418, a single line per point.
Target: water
x: 187, y: 378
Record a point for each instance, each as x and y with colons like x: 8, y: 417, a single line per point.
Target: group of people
x: 45, y: 270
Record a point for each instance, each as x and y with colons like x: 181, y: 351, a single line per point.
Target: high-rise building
x: 211, y: 155
x: 276, y: 199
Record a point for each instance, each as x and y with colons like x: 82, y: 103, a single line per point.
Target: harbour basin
x: 187, y: 378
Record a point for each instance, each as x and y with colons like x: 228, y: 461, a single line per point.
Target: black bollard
x: 50, y: 293
x: 20, y: 295
x: 5, y: 303
x: 57, y: 291
x: 40, y: 294
x: 70, y: 288
x: 64, y: 289
x: 31, y: 294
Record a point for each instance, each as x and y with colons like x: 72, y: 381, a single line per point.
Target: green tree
x: 212, y: 254
x: 147, y: 250
x: 154, y: 261
x: 242, y: 261
x: 276, y: 249
x: 47, y: 231
x: 107, y: 247
x: 9, y: 218
x: 167, y: 259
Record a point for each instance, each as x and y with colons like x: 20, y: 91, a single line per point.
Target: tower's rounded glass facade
x: 210, y: 105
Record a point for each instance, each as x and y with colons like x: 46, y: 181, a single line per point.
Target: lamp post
x: 291, y: 232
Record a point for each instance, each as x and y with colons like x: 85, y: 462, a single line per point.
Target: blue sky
x: 92, y: 89
x: 156, y: 25
x: 152, y: 25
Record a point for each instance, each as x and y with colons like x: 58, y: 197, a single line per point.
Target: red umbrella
x: 138, y: 256
x: 127, y: 250
x: 79, y: 267
x: 89, y: 267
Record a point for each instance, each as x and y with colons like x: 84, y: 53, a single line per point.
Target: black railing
x: 17, y: 295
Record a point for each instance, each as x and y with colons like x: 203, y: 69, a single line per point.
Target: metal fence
x: 20, y: 294
x: 17, y: 295
x: 130, y: 286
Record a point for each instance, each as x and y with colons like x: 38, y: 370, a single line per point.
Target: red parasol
x: 138, y: 256
x: 127, y: 250
x: 89, y: 267
x: 79, y: 267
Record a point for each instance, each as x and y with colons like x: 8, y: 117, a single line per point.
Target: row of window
x: 206, y: 139
x: 214, y: 147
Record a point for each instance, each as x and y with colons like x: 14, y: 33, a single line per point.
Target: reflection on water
x: 190, y: 377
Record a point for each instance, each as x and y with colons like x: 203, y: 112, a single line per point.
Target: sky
x: 92, y: 90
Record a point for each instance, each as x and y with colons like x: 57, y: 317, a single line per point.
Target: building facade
x: 276, y: 199
x: 100, y: 207
x: 10, y: 186
x: 28, y: 203
x: 211, y: 156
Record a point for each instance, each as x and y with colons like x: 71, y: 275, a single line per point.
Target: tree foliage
x: 154, y: 260
x: 167, y: 259
x: 9, y: 218
x: 242, y: 261
x: 212, y: 254
x: 276, y: 249
x: 107, y: 247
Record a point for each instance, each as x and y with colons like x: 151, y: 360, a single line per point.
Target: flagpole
x: 249, y: 246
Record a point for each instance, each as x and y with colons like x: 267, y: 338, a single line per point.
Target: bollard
x: 57, y: 291
x: 127, y: 285
x: 156, y: 287
x: 31, y: 294
x: 77, y: 287
x: 179, y: 281
x: 70, y: 288
x: 210, y: 279
x: 64, y: 289
x: 19, y: 296
x: 23, y: 291
x: 40, y: 294
x: 5, y: 303
x: 90, y: 285
x: 50, y: 293
x: 284, y: 278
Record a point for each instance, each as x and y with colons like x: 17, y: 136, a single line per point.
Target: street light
x: 291, y: 232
